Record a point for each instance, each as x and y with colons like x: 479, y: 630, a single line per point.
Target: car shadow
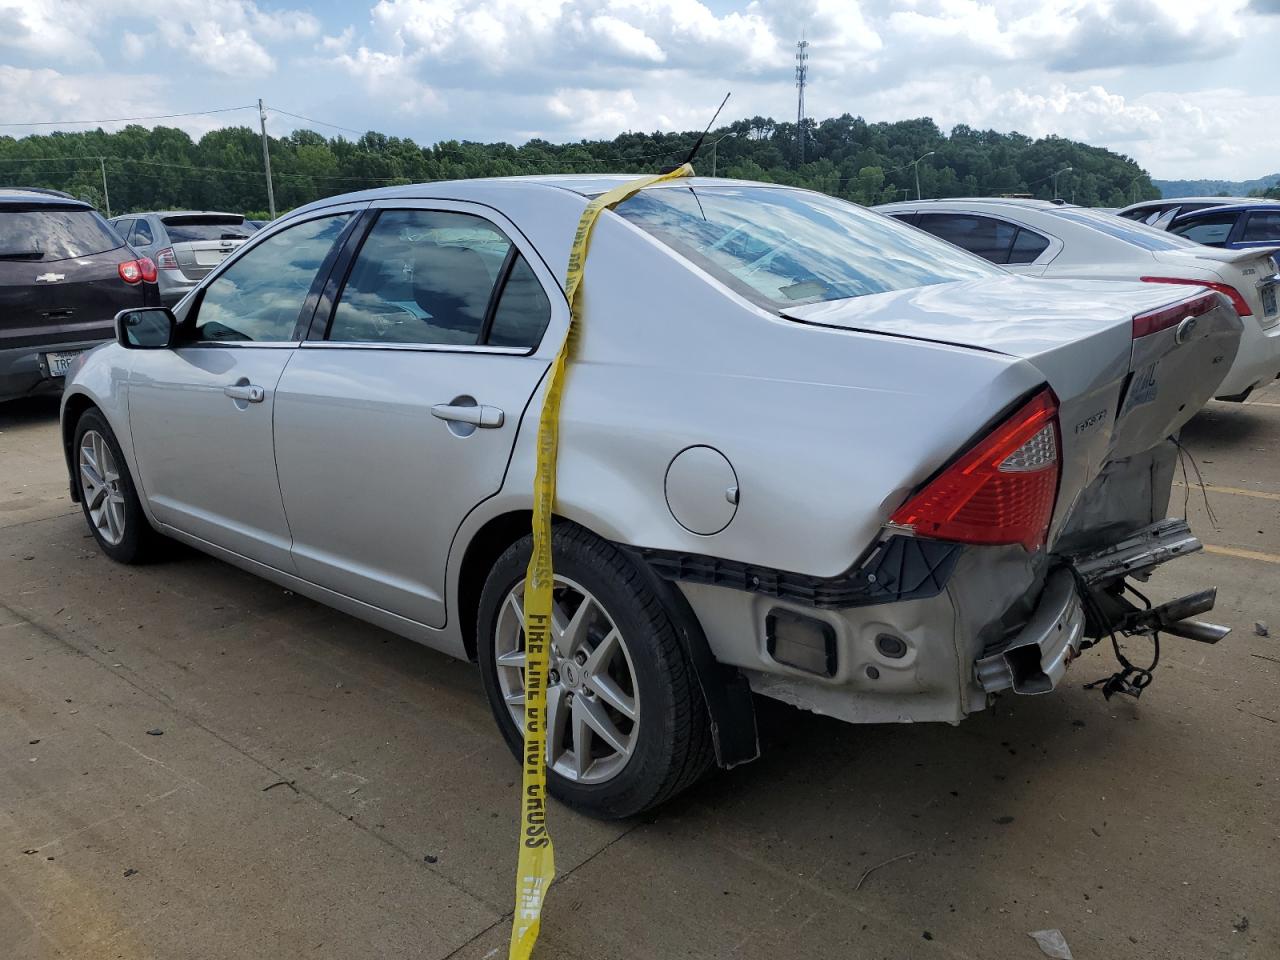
x: 29, y: 411
x: 1223, y: 425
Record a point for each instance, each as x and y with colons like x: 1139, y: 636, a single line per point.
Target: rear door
x: 400, y: 416
x: 201, y: 413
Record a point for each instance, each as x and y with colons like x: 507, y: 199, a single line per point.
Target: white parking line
x: 1241, y: 554
x: 1235, y: 491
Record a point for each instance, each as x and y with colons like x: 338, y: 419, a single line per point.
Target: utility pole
x: 106, y: 197
x: 802, y: 78
x: 266, y: 159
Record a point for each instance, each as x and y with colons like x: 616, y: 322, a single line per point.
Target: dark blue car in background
x: 1235, y: 227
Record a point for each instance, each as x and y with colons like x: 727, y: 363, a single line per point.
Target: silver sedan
x: 806, y: 452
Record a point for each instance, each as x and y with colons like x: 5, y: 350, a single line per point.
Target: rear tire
x: 108, y: 496
x: 649, y: 698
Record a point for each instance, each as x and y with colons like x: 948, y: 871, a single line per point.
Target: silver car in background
x: 805, y: 451
x: 1041, y: 239
x: 183, y: 244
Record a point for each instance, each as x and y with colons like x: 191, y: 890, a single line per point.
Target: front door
x: 201, y: 413
x: 402, y: 417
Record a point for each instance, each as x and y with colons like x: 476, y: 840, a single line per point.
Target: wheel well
x: 74, y: 409
x: 485, y: 547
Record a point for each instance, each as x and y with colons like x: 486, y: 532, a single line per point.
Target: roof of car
x: 55, y: 198
x: 1253, y: 206
x: 180, y: 213
x: 1170, y: 201
x: 1021, y: 203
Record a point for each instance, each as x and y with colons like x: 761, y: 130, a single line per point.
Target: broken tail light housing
x: 1237, y: 299
x: 1002, y: 490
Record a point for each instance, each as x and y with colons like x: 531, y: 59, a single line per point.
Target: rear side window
x: 987, y: 237
x: 52, y: 233
x: 1262, y: 226
x: 1212, y: 229
x: 782, y: 248
x: 523, y: 309
x: 429, y: 277
x: 142, y: 234
x: 1028, y: 246
x: 186, y: 229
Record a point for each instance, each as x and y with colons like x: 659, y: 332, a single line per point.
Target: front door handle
x: 249, y: 392
x: 476, y: 414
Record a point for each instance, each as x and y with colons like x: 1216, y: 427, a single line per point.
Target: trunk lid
x: 1252, y: 272
x: 1119, y: 397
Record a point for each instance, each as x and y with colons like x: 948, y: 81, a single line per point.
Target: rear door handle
x: 478, y: 415
x: 245, y: 391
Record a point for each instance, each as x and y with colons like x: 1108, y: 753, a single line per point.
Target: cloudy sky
x: 1170, y: 82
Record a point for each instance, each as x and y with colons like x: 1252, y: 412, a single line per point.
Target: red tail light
x: 1154, y: 321
x: 1002, y: 490
x: 141, y: 270
x: 166, y: 259
x: 1232, y: 294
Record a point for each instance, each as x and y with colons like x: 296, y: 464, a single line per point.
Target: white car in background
x: 1160, y: 213
x: 1043, y: 239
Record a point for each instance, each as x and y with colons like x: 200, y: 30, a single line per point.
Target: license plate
x: 1269, y: 301
x: 59, y: 363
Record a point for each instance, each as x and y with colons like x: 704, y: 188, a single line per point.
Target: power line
x: 323, y: 123
x: 159, y: 116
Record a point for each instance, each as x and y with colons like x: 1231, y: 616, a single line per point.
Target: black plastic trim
x: 898, y: 568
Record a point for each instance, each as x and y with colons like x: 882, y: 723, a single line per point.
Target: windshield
x: 781, y: 248
x: 1139, y: 234
x: 51, y: 233
x: 185, y: 229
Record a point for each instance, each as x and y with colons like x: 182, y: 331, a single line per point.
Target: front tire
x: 628, y: 727
x: 108, y: 495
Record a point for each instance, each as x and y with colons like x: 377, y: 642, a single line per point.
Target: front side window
x: 1211, y: 230
x: 259, y: 297
x: 46, y: 232
x: 1264, y: 227
x: 987, y: 237
x: 429, y: 277
x: 781, y: 248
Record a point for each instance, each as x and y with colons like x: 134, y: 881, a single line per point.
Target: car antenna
x: 698, y: 144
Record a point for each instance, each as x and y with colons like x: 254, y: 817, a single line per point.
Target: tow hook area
x: 1086, y: 598
x: 1103, y: 580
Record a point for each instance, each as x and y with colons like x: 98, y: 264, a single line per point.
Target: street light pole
x: 106, y: 197
x: 1055, y: 180
x: 266, y: 159
x: 715, y: 153
x: 916, y: 164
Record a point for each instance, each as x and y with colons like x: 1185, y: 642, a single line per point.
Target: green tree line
x: 163, y: 168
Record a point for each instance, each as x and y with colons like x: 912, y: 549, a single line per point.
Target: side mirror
x: 151, y: 328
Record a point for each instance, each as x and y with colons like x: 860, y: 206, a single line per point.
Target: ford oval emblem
x: 1185, y: 330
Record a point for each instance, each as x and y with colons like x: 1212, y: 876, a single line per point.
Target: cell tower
x: 802, y: 77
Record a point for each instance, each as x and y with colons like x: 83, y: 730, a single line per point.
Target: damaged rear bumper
x: 1035, y: 658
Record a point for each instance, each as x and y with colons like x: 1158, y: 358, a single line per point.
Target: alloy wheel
x: 100, y: 485
x: 593, y: 704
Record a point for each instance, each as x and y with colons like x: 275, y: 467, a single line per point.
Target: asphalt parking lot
x: 195, y: 763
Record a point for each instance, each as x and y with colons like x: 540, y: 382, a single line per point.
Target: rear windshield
x: 184, y: 229
x: 50, y: 233
x: 1138, y: 234
x: 781, y: 248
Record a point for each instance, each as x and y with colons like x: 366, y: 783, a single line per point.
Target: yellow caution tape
x: 537, y: 866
